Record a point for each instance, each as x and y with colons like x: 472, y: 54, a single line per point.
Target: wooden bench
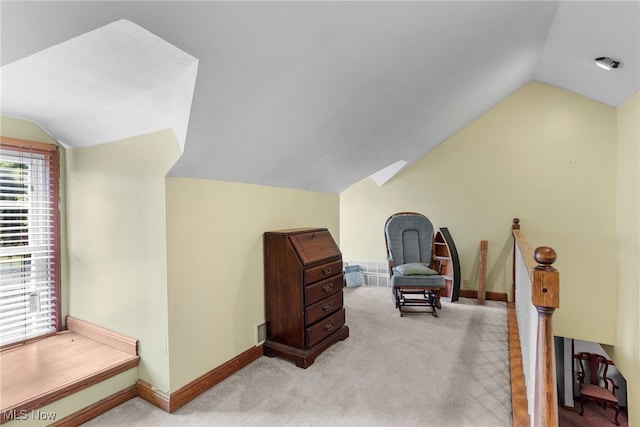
x: 43, y: 371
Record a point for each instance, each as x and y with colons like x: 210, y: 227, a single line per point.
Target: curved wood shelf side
x: 447, y: 254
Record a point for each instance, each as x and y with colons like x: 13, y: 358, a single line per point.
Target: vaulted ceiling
x: 308, y: 95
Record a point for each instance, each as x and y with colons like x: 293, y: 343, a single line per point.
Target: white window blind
x: 29, y: 232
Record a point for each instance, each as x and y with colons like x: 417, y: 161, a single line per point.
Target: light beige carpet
x: 417, y: 370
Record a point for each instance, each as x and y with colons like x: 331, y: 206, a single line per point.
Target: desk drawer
x: 325, y: 327
x: 322, y: 272
x: 317, y: 291
x: 322, y: 308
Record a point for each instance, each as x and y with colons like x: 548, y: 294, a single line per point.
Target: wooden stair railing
x: 545, y: 297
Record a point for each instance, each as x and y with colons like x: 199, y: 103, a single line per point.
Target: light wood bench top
x: 43, y: 371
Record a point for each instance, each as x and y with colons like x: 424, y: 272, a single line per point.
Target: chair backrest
x: 409, y: 237
x: 595, y: 371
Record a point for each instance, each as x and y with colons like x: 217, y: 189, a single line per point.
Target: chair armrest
x: 610, y: 385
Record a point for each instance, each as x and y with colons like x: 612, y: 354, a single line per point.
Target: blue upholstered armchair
x: 414, y: 272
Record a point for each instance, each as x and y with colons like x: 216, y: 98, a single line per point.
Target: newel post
x: 515, y: 225
x: 545, y: 296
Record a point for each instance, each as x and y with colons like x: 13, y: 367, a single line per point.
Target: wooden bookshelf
x: 447, y: 255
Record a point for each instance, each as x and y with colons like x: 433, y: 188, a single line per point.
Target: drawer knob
x: 327, y: 271
x: 327, y: 306
x: 328, y: 287
x: 328, y: 326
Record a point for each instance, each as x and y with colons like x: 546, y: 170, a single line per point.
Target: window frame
x: 51, y: 153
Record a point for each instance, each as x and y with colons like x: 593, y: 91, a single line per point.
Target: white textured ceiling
x: 319, y: 95
x: 583, y: 31
x: 82, y: 94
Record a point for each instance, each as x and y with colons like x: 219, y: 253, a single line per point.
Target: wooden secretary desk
x: 303, y: 294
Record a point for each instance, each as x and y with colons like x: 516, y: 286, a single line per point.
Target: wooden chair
x: 414, y: 271
x: 594, y: 383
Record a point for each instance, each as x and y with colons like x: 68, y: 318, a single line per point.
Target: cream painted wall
x: 24, y: 129
x: 545, y: 155
x: 215, y: 257
x: 117, y: 242
x: 626, y: 352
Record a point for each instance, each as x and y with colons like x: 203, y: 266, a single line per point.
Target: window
x: 29, y: 240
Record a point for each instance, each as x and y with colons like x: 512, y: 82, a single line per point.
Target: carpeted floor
x: 391, y: 371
